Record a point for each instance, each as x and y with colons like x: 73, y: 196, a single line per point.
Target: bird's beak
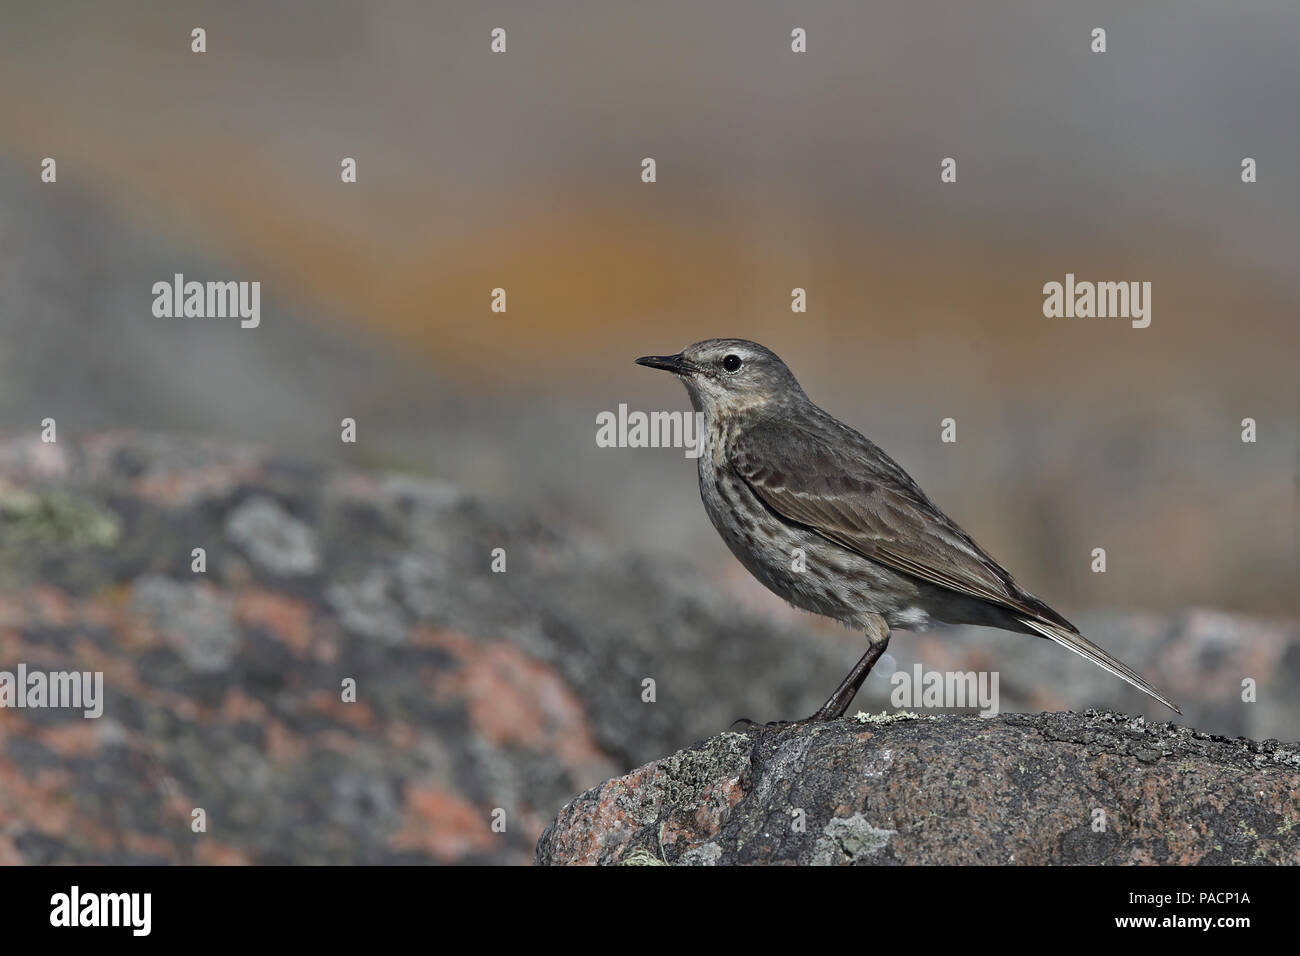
x: 669, y: 363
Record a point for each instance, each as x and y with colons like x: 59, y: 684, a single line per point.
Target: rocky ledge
x: 230, y: 594
x: 1085, y: 788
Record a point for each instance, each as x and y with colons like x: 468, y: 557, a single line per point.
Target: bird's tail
x: 1085, y: 648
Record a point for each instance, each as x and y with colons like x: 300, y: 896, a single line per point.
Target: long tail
x: 1085, y: 648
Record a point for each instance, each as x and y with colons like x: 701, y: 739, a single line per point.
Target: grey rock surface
x: 476, y: 691
x: 1093, y: 788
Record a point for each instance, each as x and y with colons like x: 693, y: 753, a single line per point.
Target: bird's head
x: 729, y: 376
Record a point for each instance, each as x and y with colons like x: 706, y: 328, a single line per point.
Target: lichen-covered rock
x: 1034, y: 789
x: 476, y: 691
x: 481, y: 698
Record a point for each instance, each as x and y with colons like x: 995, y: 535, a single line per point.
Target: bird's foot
x: 744, y: 723
x: 824, y: 715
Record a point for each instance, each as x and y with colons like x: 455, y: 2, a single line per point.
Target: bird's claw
x: 746, y: 724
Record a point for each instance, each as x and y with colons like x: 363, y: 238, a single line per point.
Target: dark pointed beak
x: 669, y: 363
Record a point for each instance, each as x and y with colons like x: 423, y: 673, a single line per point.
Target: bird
x: 826, y: 520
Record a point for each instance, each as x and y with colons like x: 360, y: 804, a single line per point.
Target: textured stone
x: 273, y: 538
x: 476, y: 691
x: 1034, y: 789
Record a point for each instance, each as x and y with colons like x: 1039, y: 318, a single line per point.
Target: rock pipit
x: 832, y: 524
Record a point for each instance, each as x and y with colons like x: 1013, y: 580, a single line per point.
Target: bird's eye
x: 731, y: 363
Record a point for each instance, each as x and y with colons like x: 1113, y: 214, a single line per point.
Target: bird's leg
x: 838, y: 702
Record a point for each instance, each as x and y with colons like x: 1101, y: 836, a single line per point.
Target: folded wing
x: 840, y: 485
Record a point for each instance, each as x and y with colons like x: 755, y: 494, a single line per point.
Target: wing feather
x: 851, y: 493
x: 834, y: 481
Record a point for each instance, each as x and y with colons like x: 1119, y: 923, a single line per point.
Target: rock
x: 197, y: 623
x: 1033, y: 789
x: 476, y: 692
x: 273, y: 538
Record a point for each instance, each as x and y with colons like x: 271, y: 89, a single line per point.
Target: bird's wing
x: 834, y: 481
x: 847, y: 490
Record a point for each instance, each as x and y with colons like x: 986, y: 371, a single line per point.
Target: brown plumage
x: 779, y: 473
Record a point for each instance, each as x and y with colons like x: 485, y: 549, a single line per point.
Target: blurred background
x: 775, y: 170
